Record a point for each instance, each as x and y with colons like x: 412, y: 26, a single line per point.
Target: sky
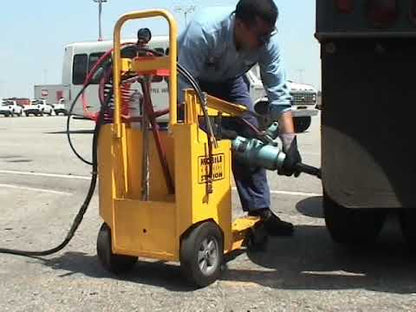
x: 34, y: 34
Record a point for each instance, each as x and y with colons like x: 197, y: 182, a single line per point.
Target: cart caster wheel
x: 257, y: 238
x: 111, y: 262
x: 202, y: 253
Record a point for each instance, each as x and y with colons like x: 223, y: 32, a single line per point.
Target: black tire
x: 202, y: 254
x: 111, y: 262
x: 301, y: 124
x: 407, y: 219
x: 352, y: 226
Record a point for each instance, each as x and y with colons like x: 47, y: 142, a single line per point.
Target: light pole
x: 100, y: 7
x: 185, y: 11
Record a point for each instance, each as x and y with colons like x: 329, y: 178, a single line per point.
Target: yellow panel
x: 193, y: 202
x: 226, y: 107
x: 126, y: 65
x: 240, y: 229
x: 145, y: 229
x: 215, y: 105
x: 158, y: 188
x: 151, y: 63
x: 105, y: 174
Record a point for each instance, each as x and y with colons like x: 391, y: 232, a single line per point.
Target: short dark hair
x: 248, y: 10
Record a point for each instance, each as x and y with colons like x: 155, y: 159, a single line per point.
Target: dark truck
x: 368, y: 54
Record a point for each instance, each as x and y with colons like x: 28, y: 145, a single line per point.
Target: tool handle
x: 301, y: 167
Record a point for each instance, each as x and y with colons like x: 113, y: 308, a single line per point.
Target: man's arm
x: 273, y: 76
x: 286, y: 122
x: 193, y: 47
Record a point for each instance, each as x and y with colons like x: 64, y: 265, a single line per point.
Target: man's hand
x: 290, y: 148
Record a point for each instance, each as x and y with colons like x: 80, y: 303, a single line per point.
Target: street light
x: 185, y: 10
x: 100, y: 3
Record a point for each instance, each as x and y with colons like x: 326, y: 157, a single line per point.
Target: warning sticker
x: 218, y: 169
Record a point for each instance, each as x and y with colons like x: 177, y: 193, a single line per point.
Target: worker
x: 218, y: 46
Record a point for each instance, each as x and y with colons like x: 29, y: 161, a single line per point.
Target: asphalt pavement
x: 42, y: 185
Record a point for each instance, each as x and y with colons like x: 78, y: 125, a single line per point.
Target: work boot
x: 272, y: 223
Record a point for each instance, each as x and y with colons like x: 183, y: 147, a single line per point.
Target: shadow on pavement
x: 309, y: 260
x: 311, y: 207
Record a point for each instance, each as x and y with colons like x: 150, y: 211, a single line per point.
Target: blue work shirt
x: 207, y: 50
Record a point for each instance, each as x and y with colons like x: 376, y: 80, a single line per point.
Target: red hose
x: 89, y: 77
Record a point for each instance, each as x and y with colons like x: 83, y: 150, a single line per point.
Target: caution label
x: 218, y: 169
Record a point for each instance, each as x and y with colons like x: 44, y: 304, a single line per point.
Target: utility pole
x: 185, y: 10
x: 100, y: 7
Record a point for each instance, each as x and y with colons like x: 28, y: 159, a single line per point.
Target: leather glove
x: 290, y: 148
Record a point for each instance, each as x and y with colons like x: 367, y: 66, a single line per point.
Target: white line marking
x: 50, y: 175
x: 64, y: 176
x: 33, y: 189
x: 290, y: 193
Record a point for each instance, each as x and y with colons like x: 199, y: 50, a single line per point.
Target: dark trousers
x: 251, y: 183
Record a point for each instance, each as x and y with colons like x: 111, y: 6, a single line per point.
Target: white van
x: 80, y: 57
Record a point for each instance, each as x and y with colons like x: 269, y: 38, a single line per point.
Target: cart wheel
x: 202, y: 254
x: 256, y: 239
x: 114, y: 263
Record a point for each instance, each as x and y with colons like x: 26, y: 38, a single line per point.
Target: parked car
x: 10, y: 108
x: 59, y: 108
x: 38, y: 108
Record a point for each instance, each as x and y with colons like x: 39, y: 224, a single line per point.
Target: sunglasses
x: 265, y: 38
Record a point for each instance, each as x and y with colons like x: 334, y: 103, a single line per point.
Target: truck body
x: 368, y: 53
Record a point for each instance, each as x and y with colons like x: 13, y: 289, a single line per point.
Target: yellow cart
x: 183, y: 212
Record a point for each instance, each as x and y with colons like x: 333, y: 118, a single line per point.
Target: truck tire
x: 352, y: 226
x: 301, y: 124
x: 407, y: 217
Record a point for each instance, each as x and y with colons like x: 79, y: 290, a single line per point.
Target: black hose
x: 68, y: 120
x: 80, y: 215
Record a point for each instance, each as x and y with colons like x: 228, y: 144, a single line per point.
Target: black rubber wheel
x: 202, y: 254
x: 301, y: 124
x: 352, y: 226
x: 407, y: 219
x: 111, y: 262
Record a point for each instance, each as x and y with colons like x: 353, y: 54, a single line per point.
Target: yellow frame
x: 154, y: 228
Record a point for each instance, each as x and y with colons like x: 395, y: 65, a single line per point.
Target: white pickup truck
x: 59, y: 108
x: 304, y: 98
x: 38, y: 108
x: 10, y: 108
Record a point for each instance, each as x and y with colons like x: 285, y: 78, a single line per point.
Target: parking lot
x: 42, y: 185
